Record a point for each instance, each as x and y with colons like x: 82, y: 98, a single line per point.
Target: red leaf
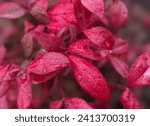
x: 101, y: 37
x: 12, y: 95
x: 3, y: 103
x: 94, y: 6
x: 27, y: 43
x: 76, y: 103
x: 117, y: 14
x: 25, y: 3
x: 3, y: 71
x: 90, y: 79
x: 2, y: 53
x: 139, y: 74
x: 72, y: 32
x: 28, y: 26
x: 39, y: 11
x: 62, y: 7
x: 38, y: 79
x: 120, y: 47
x: 56, y: 104
x: 11, y: 10
x: 4, y: 86
x: 43, y: 4
x: 39, y: 28
x: 87, y: 49
x: 129, y: 100
x: 25, y: 91
x: 49, y: 42
x: 120, y: 66
x: 79, y: 13
x: 83, y: 16
x: 8, y: 72
x: 47, y: 63
x: 61, y: 15
x: 146, y: 20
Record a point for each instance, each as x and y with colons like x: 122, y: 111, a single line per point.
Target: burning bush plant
x: 71, y: 54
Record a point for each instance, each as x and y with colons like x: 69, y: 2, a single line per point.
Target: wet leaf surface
x: 90, y: 79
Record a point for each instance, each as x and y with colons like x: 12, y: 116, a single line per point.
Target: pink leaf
x: 101, y: 37
x: 129, y: 100
x: 120, y: 66
x: 94, y: 6
x: 27, y: 43
x: 139, y: 74
x: 76, y: 103
x: 11, y: 10
x: 25, y: 91
x: 90, y: 79
x: 117, y: 14
x: 87, y: 49
x: 47, y: 63
x: 49, y: 42
x: 61, y: 15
